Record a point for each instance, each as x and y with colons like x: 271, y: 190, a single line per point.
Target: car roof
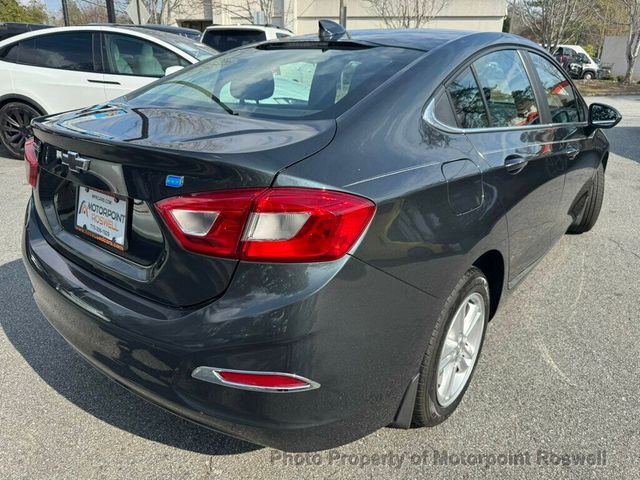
x: 424, y: 39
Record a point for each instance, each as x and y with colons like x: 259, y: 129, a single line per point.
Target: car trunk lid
x: 131, y: 159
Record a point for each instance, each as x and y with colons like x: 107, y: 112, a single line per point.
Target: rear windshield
x: 223, y: 40
x: 277, y: 83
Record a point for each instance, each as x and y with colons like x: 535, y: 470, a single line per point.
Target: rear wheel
x: 15, y: 126
x: 453, y: 350
x: 593, y: 204
x: 588, y: 76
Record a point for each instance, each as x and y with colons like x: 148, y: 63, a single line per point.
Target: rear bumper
x: 357, y: 331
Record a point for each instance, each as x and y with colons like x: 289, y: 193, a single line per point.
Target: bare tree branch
x: 632, y: 14
x: 552, y: 22
x: 246, y: 9
x: 406, y: 13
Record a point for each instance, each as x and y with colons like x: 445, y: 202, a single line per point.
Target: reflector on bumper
x: 274, y: 382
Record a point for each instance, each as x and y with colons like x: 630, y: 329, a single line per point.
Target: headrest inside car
x: 253, y: 88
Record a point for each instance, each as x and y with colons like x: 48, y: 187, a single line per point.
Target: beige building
x: 301, y: 16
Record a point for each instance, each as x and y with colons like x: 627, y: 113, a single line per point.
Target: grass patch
x: 606, y: 87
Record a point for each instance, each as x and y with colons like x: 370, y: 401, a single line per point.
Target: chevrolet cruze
x: 302, y: 241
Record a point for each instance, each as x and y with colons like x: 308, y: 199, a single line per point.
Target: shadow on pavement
x: 624, y: 142
x: 65, y: 371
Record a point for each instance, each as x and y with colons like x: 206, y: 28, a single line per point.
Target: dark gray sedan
x: 301, y: 241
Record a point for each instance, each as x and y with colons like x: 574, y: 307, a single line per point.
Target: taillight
x: 270, y: 225
x: 31, y: 162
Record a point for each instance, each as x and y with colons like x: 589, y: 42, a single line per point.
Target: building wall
x: 614, y: 51
x: 301, y: 16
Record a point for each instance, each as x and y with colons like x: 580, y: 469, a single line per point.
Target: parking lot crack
x: 624, y: 249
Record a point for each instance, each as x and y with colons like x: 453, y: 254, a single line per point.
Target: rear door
x: 503, y: 120
x: 132, y: 62
x: 59, y: 68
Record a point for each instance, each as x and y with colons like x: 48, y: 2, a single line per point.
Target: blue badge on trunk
x: 174, y: 181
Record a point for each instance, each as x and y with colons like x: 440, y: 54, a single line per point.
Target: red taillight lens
x: 31, y: 162
x: 271, y: 225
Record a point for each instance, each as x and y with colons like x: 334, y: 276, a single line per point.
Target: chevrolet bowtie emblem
x: 75, y: 162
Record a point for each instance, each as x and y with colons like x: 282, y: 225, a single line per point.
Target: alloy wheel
x: 460, y: 349
x: 15, y: 126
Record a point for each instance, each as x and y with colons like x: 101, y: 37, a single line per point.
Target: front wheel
x: 453, y: 350
x: 593, y: 204
x: 15, y: 126
x: 588, y: 76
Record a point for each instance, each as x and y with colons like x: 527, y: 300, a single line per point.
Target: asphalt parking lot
x: 558, y: 376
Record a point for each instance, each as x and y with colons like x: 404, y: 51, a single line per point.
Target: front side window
x: 467, y: 101
x: 127, y: 55
x: 278, y: 82
x: 560, y: 96
x: 65, y: 51
x: 507, y: 90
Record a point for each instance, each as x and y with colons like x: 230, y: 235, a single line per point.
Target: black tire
x: 593, y: 204
x: 15, y: 128
x: 588, y: 76
x: 428, y: 411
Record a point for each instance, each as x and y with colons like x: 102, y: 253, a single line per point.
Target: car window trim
x: 96, y: 51
x: 538, y: 90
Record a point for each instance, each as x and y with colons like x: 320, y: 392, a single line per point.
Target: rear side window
x: 66, y: 51
x: 278, y: 82
x: 507, y: 90
x: 560, y: 96
x: 467, y: 101
x: 223, y: 40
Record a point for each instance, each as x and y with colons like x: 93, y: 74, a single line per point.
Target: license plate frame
x: 103, y: 211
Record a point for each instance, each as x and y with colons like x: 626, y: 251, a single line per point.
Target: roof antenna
x: 330, y: 30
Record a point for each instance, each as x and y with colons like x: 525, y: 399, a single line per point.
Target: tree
x: 406, y: 13
x: 161, y: 10
x: 552, y: 22
x: 244, y: 10
x: 632, y: 13
x: 33, y: 12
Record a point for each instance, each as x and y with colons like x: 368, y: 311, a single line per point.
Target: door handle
x: 515, y: 163
x: 104, y: 82
x: 572, y: 152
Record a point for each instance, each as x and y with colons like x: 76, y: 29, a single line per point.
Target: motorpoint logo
x: 86, y: 208
x: 83, y: 210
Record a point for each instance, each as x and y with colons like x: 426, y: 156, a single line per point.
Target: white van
x: 580, y: 56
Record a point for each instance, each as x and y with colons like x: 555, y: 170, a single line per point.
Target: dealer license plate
x: 102, y: 216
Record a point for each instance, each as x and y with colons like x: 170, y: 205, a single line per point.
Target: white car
x: 59, y: 69
x: 226, y: 37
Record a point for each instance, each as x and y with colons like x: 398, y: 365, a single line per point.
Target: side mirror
x: 603, y: 116
x: 172, y: 69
